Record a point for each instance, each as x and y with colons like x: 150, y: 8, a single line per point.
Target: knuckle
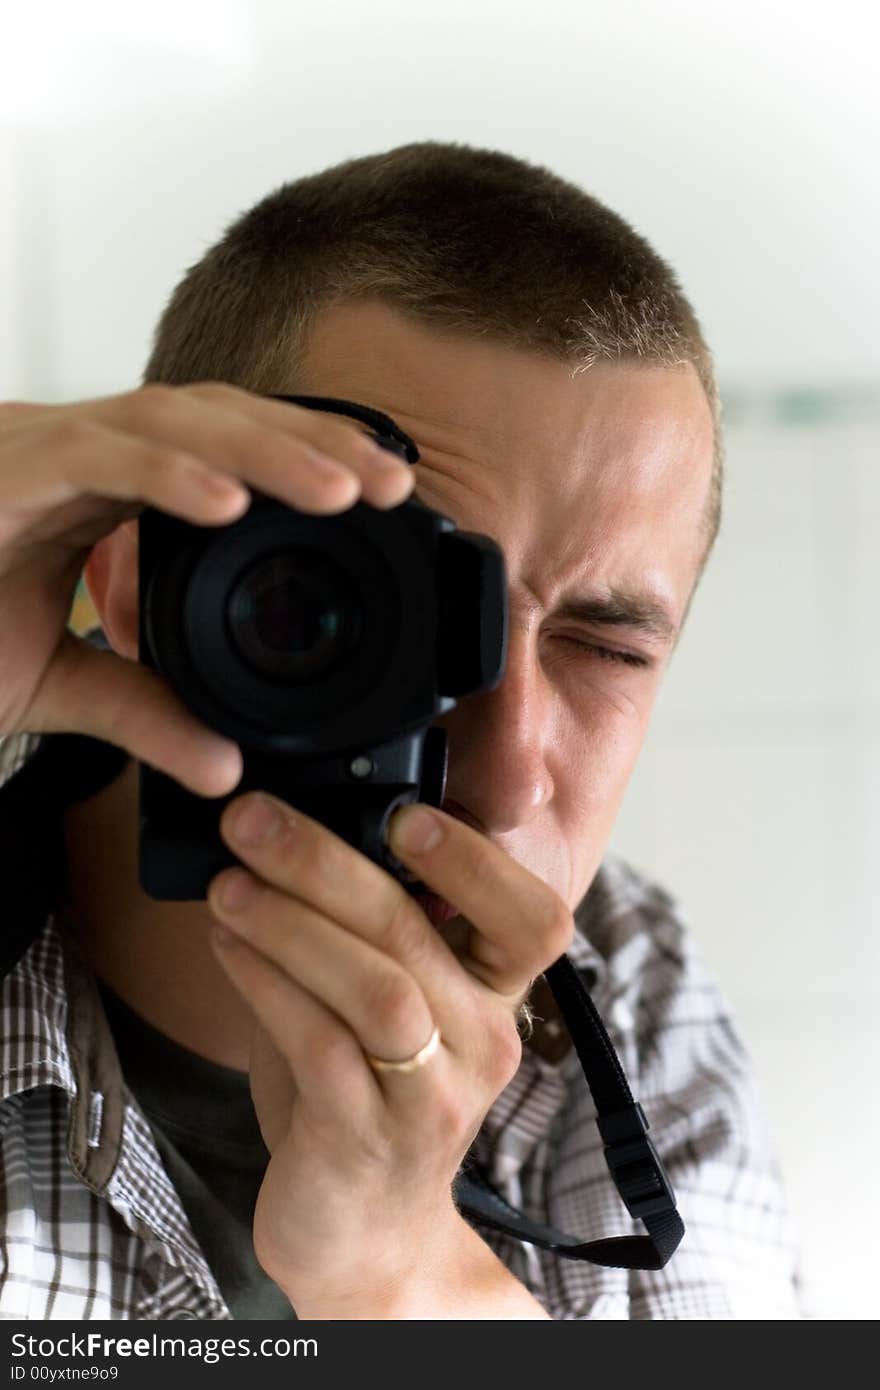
x: 319, y: 866
x: 555, y: 925
x: 274, y: 444
x: 154, y: 392
x: 504, y: 1053
x: 331, y: 1047
x: 475, y: 885
x: 213, y: 390
x: 470, y: 873
x: 344, y: 441
x: 176, y: 462
x: 154, y: 405
x: 401, y: 936
x: 120, y: 721
x: 392, y: 997
x: 155, y: 397
x: 451, y: 1114
x: 72, y: 432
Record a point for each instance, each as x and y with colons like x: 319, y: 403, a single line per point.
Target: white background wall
x: 741, y: 138
x: 757, y: 799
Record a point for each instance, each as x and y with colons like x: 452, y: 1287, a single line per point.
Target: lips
x: 436, y: 909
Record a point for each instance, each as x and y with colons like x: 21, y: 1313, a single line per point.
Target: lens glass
x: 293, y: 615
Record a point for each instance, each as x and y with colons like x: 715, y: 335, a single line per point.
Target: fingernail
x: 415, y: 831
x: 255, y: 822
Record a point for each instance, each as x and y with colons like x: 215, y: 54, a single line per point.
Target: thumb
x: 109, y: 697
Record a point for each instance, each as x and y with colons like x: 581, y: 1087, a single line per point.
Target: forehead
x: 608, y: 466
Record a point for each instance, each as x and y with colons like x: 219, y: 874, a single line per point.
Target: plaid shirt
x: 92, y: 1228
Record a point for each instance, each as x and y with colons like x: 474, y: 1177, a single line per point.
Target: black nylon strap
x: 633, y: 1162
x: 384, y: 428
x: 477, y: 1199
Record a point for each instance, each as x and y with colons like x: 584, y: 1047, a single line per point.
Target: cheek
x: 589, y: 789
x: 598, y: 743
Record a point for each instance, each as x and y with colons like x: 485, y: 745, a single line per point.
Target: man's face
x: 595, y: 487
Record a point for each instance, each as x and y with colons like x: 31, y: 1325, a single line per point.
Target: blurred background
x: 741, y: 139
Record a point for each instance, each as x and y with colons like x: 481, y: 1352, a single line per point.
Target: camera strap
x: 385, y: 430
x: 633, y: 1162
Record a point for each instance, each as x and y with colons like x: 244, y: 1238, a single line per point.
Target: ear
x: 111, y: 576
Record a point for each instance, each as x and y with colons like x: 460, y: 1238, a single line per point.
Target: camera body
x: 326, y: 647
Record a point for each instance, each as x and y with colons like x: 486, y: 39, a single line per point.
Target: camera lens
x: 293, y: 615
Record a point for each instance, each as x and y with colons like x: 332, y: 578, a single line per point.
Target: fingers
x: 303, y: 457
x: 54, y: 459
x: 124, y: 703
x: 518, y: 924
x: 376, y: 997
x: 71, y: 474
x: 344, y: 931
x: 306, y: 860
x: 385, y: 479
x: 357, y: 1004
x: 324, y: 1057
x: 192, y: 452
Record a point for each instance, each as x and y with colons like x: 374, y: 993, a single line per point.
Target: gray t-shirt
x: 206, y: 1130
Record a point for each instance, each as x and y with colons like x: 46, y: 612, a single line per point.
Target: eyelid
x: 638, y: 660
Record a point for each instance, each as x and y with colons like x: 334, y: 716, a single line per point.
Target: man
x: 561, y: 395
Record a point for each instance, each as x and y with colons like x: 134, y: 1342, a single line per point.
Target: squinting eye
x: 607, y: 653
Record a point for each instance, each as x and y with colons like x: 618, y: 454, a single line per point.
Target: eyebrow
x: 621, y: 608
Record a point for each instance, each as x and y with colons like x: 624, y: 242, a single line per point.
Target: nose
x: 498, y: 769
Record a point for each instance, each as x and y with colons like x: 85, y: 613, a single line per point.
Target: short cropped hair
x: 471, y: 240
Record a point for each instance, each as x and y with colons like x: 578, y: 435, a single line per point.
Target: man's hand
x: 72, y: 475
x: 355, y: 1216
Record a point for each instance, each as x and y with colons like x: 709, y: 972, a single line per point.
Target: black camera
x: 325, y: 646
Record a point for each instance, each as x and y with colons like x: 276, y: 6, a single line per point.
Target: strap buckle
x: 634, y: 1163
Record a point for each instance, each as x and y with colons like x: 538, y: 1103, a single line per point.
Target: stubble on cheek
x: 593, y: 814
